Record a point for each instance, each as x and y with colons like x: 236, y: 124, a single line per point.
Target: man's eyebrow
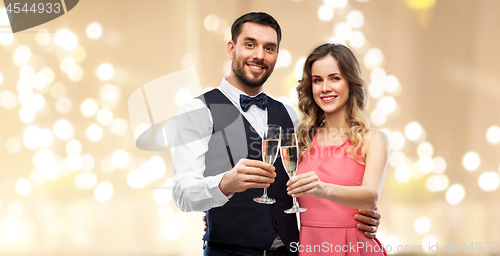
x: 249, y: 39
x: 273, y: 45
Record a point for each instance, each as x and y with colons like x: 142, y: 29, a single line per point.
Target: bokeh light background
x: 73, y: 182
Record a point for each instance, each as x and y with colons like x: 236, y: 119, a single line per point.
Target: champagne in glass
x: 270, y: 150
x: 290, y: 158
x: 270, y: 145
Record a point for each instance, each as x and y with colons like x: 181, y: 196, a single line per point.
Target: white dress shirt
x: 192, y: 191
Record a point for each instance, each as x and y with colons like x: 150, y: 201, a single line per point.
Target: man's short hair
x: 260, y: 18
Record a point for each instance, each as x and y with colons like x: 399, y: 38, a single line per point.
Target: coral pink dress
x: 329, y: 228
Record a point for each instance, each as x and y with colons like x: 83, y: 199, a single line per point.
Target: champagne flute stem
x: 294, y: 202
x: 265, y: 192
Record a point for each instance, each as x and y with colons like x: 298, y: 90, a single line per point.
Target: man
x: 217, y: 163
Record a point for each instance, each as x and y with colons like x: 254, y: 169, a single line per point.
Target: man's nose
x: 258, y: 53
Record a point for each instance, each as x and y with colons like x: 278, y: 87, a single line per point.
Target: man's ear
x: 230, y: 48
x: 277, y: 55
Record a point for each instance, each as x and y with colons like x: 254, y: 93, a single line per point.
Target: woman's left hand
x: 306, y: 184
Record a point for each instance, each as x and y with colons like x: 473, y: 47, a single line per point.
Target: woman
x: 343, y: 162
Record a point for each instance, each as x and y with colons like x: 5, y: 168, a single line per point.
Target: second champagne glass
x: 290, y: 158
x: 270, y: 145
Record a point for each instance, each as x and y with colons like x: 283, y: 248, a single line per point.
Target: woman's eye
x: 336, y: 78
x: 316, y: 81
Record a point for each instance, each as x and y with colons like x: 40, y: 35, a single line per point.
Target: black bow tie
x: 259, y: 100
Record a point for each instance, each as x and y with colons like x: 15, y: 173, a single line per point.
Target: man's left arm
x: 370, y: 219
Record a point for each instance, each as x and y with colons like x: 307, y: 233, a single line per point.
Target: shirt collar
x: 232, y: 92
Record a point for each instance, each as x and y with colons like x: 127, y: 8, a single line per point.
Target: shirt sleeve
x: 293, y: 116
x: 192, y: 191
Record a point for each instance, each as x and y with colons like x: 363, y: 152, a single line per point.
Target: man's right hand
x: 247, y: 174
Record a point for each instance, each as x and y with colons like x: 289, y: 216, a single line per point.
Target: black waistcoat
x: 241, y: 221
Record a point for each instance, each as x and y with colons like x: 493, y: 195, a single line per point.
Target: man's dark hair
x: 260, y: 18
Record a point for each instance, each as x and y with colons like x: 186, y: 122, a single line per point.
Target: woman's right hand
x: 306, y: 184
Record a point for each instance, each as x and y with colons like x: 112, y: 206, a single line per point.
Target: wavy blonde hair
x: 314, y: 117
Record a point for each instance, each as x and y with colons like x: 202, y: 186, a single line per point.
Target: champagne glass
x: 290, y: 157
x: 270, y: 145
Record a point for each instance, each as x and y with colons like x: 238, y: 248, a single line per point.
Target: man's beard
x: 240, y: 73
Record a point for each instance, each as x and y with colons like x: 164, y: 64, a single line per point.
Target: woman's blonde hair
x: 314, y: 116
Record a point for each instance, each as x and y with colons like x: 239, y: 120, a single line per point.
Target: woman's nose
x: 326, y: 87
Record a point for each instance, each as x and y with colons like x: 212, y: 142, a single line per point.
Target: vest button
x: 276, y: 222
